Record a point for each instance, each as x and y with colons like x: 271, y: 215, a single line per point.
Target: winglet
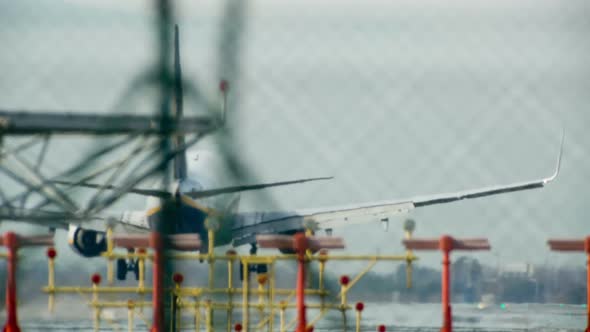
x: 558, y: 166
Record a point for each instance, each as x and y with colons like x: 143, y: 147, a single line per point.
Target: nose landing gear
x: 257, y: 268
x: 124, y: 266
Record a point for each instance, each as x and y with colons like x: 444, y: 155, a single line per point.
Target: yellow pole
x: 358, y: 321
x: 343, y: 291
x: 260, y: 292
x: 96, y: 307
x: 271, y: 296
x: 141, y: 276
x: 261, y: 283
x: 245, y: 286
x: 230, y: 275
x: 208, y: 317
x: 408, y: 274
x: 230, y: 285
x: 176, y: 304
x: 308, y: 254
x: 51, y: 283
x: 130, y: 308
x: 322, y: 262
x: 283, y: 306
x: 110, y: 245
x: 141, y: 268
x: 211, y: 259
x: 197, y: 315
x: 407, y: 236
x: 321, y: 275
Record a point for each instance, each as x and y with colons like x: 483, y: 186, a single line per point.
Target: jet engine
x: 87, y: 242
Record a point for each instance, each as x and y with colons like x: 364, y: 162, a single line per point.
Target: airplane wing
x: 128, y: 221
x: 247, y: 225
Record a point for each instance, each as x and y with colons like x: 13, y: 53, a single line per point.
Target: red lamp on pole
x: 582, y: 245
x: 446, y: 244
x: 155, y: 241
x: 300, y: 243
x: 13, y: 242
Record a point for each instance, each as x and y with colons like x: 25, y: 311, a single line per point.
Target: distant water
x: 397, y: 317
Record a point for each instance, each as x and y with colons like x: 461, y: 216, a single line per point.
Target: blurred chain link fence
x: 393, y: 99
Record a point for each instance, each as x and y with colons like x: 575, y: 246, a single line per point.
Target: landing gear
x: 121, y: 269
x: 258, y: 268
x: 124, y: 266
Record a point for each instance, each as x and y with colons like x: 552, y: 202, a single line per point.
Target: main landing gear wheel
x: 258, y: 268
x: 123, y: 266
x: 121, y: 269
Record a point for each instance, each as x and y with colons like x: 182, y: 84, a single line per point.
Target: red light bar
x: 178, y: 241
x: 447, y: 243
x: 287, y: 242
x: 570, y: 244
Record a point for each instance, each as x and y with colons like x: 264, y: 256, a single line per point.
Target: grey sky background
x: 394, y: 100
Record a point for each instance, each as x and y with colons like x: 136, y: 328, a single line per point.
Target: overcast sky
x: 394, y: 100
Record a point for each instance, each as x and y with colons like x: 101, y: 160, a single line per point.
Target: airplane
x: 196, y: 203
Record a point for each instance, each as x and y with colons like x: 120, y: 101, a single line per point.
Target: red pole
x: 446, y: 245
x: 300, y: 242
x: 157, y: 305
x: 588, y: 294
x: 446, y: 290
x: 577, y: 245
x: 11, y: 242
x: 301, y: 294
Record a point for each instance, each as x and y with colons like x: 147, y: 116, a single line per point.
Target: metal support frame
x: 270, y: 300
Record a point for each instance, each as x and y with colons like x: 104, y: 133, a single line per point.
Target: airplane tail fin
x: 180, y: 166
